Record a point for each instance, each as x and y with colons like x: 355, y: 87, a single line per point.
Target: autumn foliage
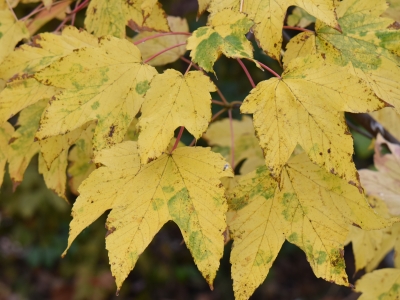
x: 93, y: 105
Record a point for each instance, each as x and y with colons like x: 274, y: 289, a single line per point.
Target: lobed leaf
x: 183, y: 187
x: 173, y: 100
x: 306, y: 107
x: 106, y: 84
x: 387, y: 289
x: 310, y: 208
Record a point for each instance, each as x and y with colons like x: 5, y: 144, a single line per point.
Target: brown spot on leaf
x: 109, y: 231
x: 112, y: 130
x: 329, y: 151
x: 356, y: 225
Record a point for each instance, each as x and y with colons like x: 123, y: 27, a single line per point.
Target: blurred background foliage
x: 34, y: 227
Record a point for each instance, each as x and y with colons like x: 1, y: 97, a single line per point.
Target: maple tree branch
x: 178, y: 138
x: 165, y: 50
x: 373, y: 127
x: 232, y: 139
x: 159, y: 35
x: 247, y: 72
x: 269, y: 70
x: 297, y: 28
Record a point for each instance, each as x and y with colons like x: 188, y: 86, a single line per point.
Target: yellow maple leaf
x: 306, y: 107
x: 225, y: 34
x: 106, y: 84
x: 377, y: 59
x: 6, y: 131
x: 45, y: 49
x: 183, y: 187
x: 109, y: 17
x: 153, y: 46
x: 383, y: 284
x: 310, y: 208
x: 386, y: 182
x: 245, y: 142
x: 173, y: 100
x: 268, y: 17
x: 11, y: 32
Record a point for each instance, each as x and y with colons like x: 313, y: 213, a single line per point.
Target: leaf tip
x: 338, y: 28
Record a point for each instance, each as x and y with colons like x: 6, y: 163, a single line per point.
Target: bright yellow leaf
x: 183, y: 187
x: 389, y: 119
x: 153, y: 46
x: 245, y: 142
x: 173, y: 100
x: 203, y: 4
x: 225, y: 34
x: 383, y: 284
x: 80, y: 158
x: 368, y: 42
x: 11, y: 32
x: 268, y: 16
x: 106, y: 84
x: 6, y: 131
x: 311, y: 208
x: 385, y: 183
x: 306, y: 107
x: 45, y: 49
x: 109, y: 17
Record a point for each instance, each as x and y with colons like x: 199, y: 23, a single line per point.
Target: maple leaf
x: 11, y: 32
x: 377, y: 58
x: 245, y: 142
x: 109, y: 17
x: 173, y: 100
x: 268, y: 17
x: 153, y: 46
x: 106, y: 84
x: 386, y: 182
x: 183, y: 187
x: 225, y: 34
x: 203, y: 4
x: 306, y: 106
x: 6, y: 131
x: 387, y: 289
x: 310, y: 208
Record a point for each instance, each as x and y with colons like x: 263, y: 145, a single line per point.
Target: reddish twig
x: 297, y: 28
x: 218, y: 102
x: 188, y: 68
x: 159, y: 35
x: 74, y: 14
x: 165, y: 50
x: 12, y: 11
x: 247, y: 72
x: 269, y: 70
x: 232, y: 139
x: 178, y: 138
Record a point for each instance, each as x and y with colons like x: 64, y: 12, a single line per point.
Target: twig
x: 12, y: 11
x: 373, y: 127
x: 178, y: 138
x: 165, y: 50
x: 297, y: 28
x: 269, y: 70
x: 160, y: 35
x: 247, y: 72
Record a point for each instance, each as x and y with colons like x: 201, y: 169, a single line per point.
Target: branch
x: 373, y: 127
